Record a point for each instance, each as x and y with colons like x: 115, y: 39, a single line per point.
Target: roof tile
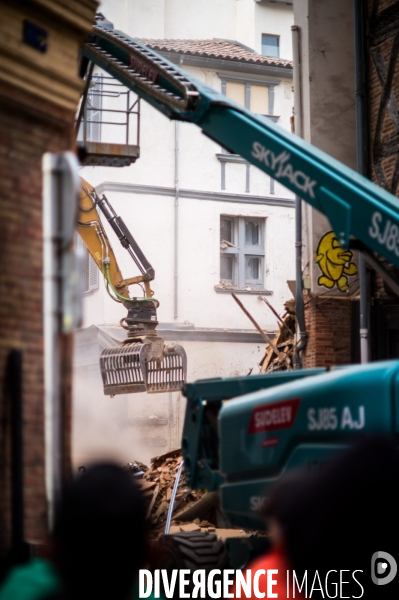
x: 221, y: 49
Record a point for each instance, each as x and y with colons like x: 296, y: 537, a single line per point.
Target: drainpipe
x: 176, y: 274
x: 361, y: 159
x: 51, y: 301
x: 177, y: 193
x: 299, y: 303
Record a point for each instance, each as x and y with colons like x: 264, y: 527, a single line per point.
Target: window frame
x: 271, y: 35
x: 242, y: 250
x: 247, y: 79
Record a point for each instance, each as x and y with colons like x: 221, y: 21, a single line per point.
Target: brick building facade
x: 39, y: 93
x: 383, y: 92
x: 325, y: 109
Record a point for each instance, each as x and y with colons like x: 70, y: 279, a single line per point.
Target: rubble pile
x: 284, y: 342
x: 280, y: 349
x: 193, y: 510
x: 157, y: 483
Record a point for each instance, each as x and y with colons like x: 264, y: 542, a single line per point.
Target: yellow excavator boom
x: 93, y: 234
x: 142, y: 362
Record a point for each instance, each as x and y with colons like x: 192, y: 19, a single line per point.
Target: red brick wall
x: 28, y: 128
x: 383, y: 51
x: 328, y: 323
x: 384, y: 126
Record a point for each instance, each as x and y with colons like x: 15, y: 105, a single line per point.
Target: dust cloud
x: 100, y: 427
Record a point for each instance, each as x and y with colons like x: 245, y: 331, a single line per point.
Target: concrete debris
x: 226, y: 285
x: 225, y: 244
x: 201, y: 509
x: 157, y: 484
x: 190, y: 527
x: 290, y: 306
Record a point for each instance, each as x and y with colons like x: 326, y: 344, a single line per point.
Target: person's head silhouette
x: 99, y: 534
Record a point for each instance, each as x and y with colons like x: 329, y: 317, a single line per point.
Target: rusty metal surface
x: 126, y: 369
x: 168, y: 375
x: 92, y: 160
x: 108, y: 155
x: 145, y: 69
x: 124, y: 150
x: 115, y: 390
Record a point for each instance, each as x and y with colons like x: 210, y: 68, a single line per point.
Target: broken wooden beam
x: 263, y: 334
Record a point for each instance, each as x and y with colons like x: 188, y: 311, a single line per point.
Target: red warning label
x: 270, y: 417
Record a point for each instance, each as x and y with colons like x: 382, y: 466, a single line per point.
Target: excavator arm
x: 355, y: 207
x: 142, y: 363
x: 92, y: 232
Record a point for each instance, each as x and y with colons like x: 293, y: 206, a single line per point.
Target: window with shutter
x: 89, y: 273
x: 242, y: 251
x: 93, y: 275
x: 259, y: 102
x: 236, y: 92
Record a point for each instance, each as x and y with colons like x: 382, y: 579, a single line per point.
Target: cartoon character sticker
x: 334, y: 262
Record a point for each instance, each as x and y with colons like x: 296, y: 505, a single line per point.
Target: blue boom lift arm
x: 354, y: 205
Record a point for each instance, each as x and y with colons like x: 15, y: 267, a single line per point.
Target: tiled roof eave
x: 224, y: 50
x: 229, y: 64
x: 260, y: 61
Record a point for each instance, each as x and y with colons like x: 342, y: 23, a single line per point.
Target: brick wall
x: 383, y: 95
x: 39, y: 93
x: 328, y: 323
x: 28, y: 128
x: 383, y: 82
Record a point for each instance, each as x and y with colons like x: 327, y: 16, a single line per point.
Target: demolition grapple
x: 143, y: 363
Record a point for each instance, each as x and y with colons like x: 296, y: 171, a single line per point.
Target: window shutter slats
x: 93, y: 274
x: 242, y: 251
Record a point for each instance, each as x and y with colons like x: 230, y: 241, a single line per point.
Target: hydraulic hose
x: 123, y: 298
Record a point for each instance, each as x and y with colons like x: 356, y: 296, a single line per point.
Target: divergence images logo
x: 383, y: 564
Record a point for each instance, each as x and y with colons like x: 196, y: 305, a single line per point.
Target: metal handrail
x: 132, y: 107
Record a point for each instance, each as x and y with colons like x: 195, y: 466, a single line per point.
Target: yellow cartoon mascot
x: 334, y: 262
